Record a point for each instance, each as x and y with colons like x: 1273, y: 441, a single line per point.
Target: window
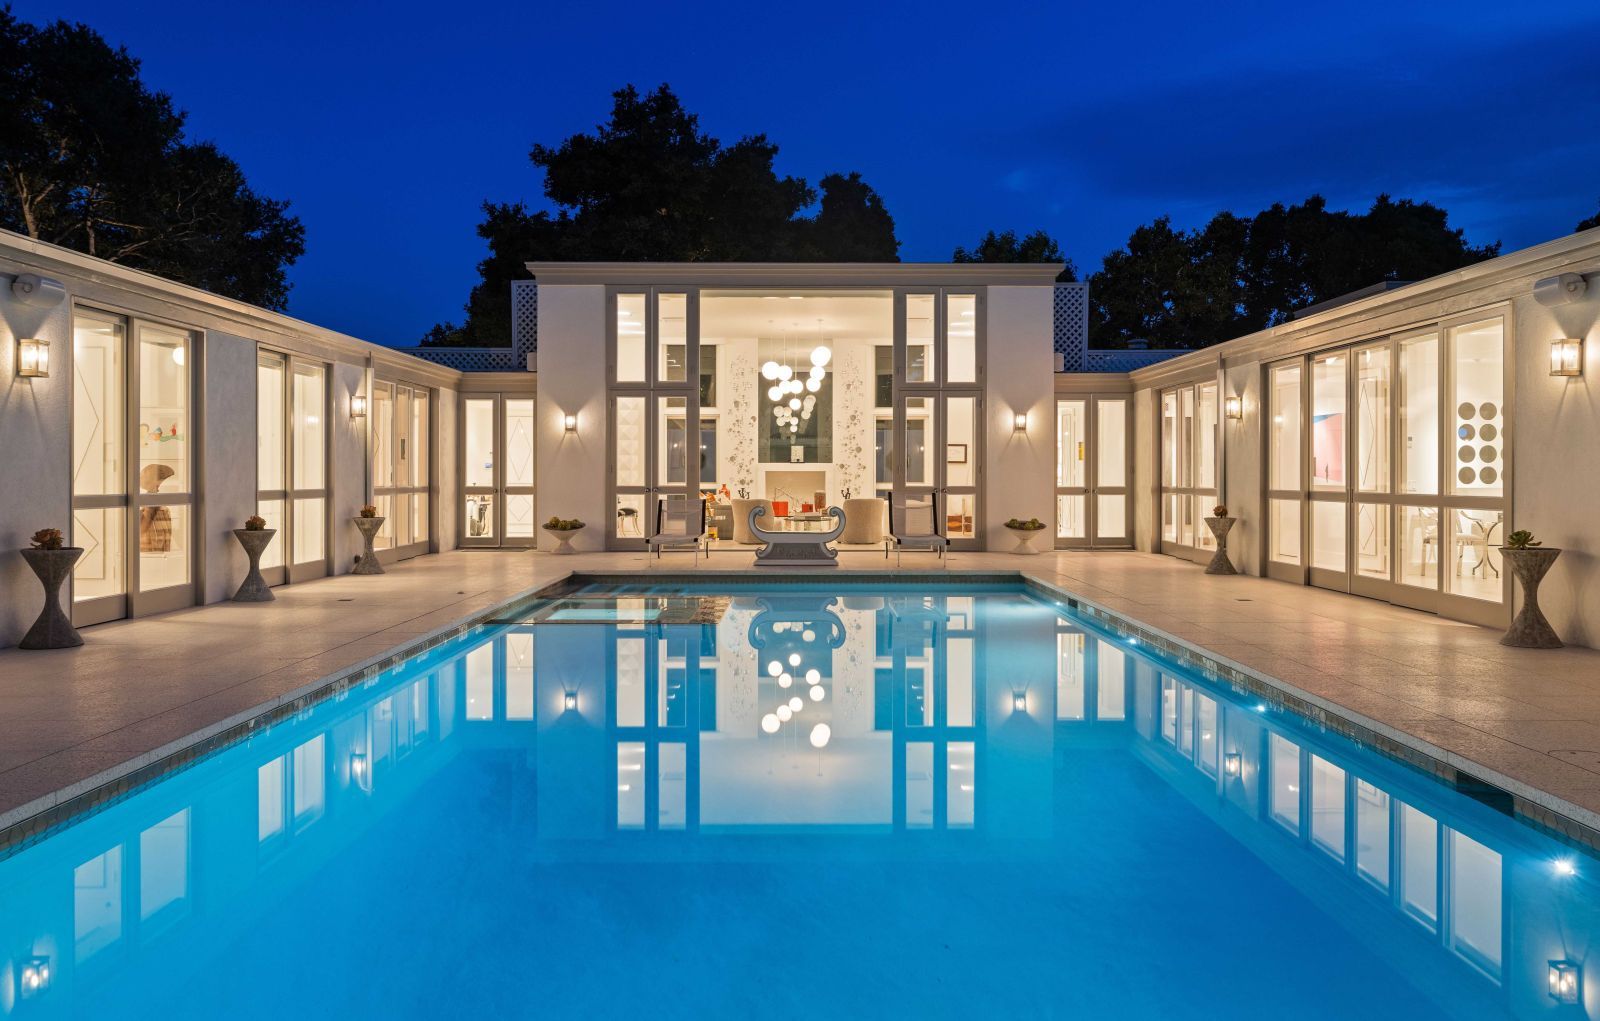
x: 1372, y: 834
x: 1069, y: 675
x: 1285, y: 766
x: 1475, y: 902
x: 1327, y: 806
x: 1419, y: 865
x: 399, y: 416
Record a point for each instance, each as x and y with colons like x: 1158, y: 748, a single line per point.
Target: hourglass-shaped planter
x: 1530, y: 630
x: 53, y: 629
x: 368, y: 564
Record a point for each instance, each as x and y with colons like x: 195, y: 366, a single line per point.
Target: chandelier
x: 801, y: 393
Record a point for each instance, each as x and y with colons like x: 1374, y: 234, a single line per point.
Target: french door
x: 653, y: 413
x: 133, y: 467
x: 1190, y: 424
x: 1092, y: 506
x: 400, y: 415
x: 292, y: 465
x: 497, y: 456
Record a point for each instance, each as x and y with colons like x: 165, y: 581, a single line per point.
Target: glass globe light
x: 769, y: 723
x: 785, y: 713
x: 774, y: 668
x: 817, y: 372
x: 784, y: 372
x: 818, y: 693
x: 785, y: 679
x: 769, y: 370
x: 794, y: 659
x: 795, y: 704
x: 813, y: 384
x: 820, y: 356
x: 813, y: 676
x: 773, y: 393
x: 820, y: 734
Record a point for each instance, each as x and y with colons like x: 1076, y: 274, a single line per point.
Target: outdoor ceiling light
x: 1565, y: 978
x: 1233, y: 407
x: 33, y: 358
x: 34, y: 977
x: 1232, y: 764
x: 358, y: 405
x: 569, y: 702
x: 1566, y: 357
x: 570, y: 423
x: 1019, y: 422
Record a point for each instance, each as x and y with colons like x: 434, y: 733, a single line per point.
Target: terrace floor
x: 75, y: 719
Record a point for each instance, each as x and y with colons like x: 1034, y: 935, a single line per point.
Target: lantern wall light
x: 1233, y: 407
x: 570, y: 423
x: 1232, y: 764
x: 1019, y: 422
x: 33, y: 358
x: 358, y: 405
x: 1566, y: 357
x: 1564, y: 981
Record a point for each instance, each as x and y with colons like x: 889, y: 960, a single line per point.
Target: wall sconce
x: 1019, y: 701
x: 1233, y: 407
x: 569, y: 702
x: 359, y: 772
x: 358, y: 405
x: 1566, y: 357
x: 1019, y: 422
x: 570, y: 423
x: 34, y: 977
x: 1232, y: 764
x: 33, y: 358
x: 1564, y: 981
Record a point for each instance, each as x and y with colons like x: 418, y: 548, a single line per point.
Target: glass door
x: 1328, y: 454
x: 272, y: 460
x: 399, y: 416
x: 917, y: 468
x: 307, y: 541
x: 99, y: 453
x: 1072, y: 473
x: 521, y: 527
x: 1371, y: 469
x: 656, y: 389
x: 480, y: 513
x: 1189, y: 425
x: 963, y: 418
x: 1110, y: 507
x: 1092, y: 472
x: 1285, y: 459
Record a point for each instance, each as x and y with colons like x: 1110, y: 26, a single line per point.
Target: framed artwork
x: 955, y: 453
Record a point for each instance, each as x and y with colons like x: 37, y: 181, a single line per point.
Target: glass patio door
x: 653, y: 409
x: 99, y: 454
x: 497, y: 454
x: 937, y: 436
x: 1327, y: 453
x: 399, y: 417
x: 917, y: 466
x: 292, y: 466
x: 1285, y: 459
x: 1092, y: 472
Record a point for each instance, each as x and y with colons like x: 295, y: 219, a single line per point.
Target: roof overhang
x: 799, y: 274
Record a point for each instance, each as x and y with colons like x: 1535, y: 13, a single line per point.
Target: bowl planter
x: 53, y: 630
x: 1529, y: 630
x: 563, y: 537
x: 1025, y: 537
x: 368, y: 564
x: 1220, y: 527
x: 254, y: 588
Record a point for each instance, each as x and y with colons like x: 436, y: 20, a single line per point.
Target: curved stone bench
x: 805, y: 549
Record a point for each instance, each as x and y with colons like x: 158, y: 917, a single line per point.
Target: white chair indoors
x: 680, y: 525
x: 914, y: 525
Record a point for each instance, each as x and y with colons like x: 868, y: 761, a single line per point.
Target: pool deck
x: 137, y: 691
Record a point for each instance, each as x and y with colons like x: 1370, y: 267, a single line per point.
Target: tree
x: 649, y: 185
x: 93, y: 160
x: 1237, y: 275
x: 1007, y: 247
x: 1589, y: 224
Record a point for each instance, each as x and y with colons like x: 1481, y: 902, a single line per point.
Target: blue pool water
x: 1014, y: 813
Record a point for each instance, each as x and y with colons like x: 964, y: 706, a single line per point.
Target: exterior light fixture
x: 1232, y: 764
x: 1019, y: 422
x: 570, y: 423
x: 1019, y: 701
x: 1566, y: 357
x: 34, y: 977
x: 359, y: 771
x: 33, y: 358
x: 569, y: 702
x: 1233, y: 407
x: 1565, y: 979
x: 358, y: 405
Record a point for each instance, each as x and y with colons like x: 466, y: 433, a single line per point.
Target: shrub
x: 369, y: 511
x: 564, y: 524
x: 1030, y: 525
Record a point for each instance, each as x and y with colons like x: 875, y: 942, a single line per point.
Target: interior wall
x: 1020, y: 479
x: 572, y: 381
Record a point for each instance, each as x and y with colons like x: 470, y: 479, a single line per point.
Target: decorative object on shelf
x: 255, y: 536
x: 155, y: 523
x: 1025, y: 531
x: 1220, y: 524
x: 563, y: 529
x: 52, y: 561
x: 367, y: 523
x: 1530, y: 561
x: 803, y: 549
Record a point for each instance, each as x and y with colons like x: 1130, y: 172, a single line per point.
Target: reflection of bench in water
x: 806, y: 549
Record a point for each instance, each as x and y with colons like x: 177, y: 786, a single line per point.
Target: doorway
x: 1092, y: 471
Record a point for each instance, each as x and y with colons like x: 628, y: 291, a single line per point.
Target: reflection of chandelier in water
x: 802, y: 626
x: 786, y: 382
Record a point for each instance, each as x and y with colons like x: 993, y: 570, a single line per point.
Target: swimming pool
x: 790, y: 800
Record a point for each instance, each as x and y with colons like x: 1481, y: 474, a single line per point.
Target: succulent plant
x: 1522, y: 539
x: 47, y: 538
x: 1030, y: 525
x: 255, y: 523
x: 1220, y: 511
x: 563, y: 524
x: 369, y: 511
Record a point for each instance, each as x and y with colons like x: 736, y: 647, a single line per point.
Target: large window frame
x: 282, y: 562
x: 1100, y: 460
x: 1188, y: 474
x: 401, y: 416
x: 502, y: 511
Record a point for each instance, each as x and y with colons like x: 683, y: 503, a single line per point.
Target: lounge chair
x: 680, y: 524
x: 914, y: 525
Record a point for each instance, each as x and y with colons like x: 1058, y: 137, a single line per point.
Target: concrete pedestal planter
x: 1529, y: 630
x: 254, y: 588
x: 1025, y: 537
x: 563, y: 537
x: 1220, y: 527
x: 368, y: 564
x: 53, y: 630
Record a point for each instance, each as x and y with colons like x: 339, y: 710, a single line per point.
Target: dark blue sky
x: 387, y: 124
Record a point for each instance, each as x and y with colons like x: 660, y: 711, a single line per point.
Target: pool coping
x: 28, y: 823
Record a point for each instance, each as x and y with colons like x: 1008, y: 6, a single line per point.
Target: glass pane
x: 421, y: 524
x: 1285, y: 430
x: 1372, y: 833
x: 100, y: 531
x: 163, y: 547
x: 1419, y: 414
x: 519, y: 676
x: 519, y: 443
x: 479, y: 520
x: 1283, y: 531
x: 479, y: 441
x: 163, y: 410
x: 97, y: 903
x: 1372, y: 419
x: 1071, y: 443
x: 1372, y: 540
x: 269, y: 799
x: 1111, y: 443
x: 1070, y: 677
x: 271, y: 451
x: 1169, y: 518
x: 382, y: 417
x: 1203, y: 539
x: 310, y: 516
x: 961, y: 327
x: 958, y: 682
x: 1205, y: 435
x: 1186, y: 521
x: 962, y: 790
x: 630, y: 338
x: 1111, y: 516
x: 1327, y: 535
x: 920, y: 443
x: 384, y: 539
x: 630, y: 515
x: 1111, y: 685
x: 418, y: 441
x: 672, y: 441
x: 961, y: 443
x: 479, y: 666
x: 1475, y: 901
x: 1169, y: 438
x: 1327, y: 806
x: 1419, y: 546
x: 1070, y: 517
x: 919, y: 785
x: 1478, y: 379
x: 97, y: 417
x: 672, y: 332
x: 1205, y: 740
x: 1285, y: 764
x: 1327, y: 422
x: 1419, y: 864
x: 1186, y: 438
x: 630, y: 441
x: 1475, y: 554
x: 672, y: 794
x: 309, y: 431
x: 961, y: 510
x: 519, y: 515
x: 272, y: 512
x: 919, y: 339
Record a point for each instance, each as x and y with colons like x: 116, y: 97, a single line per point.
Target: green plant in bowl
x: 1522, y: 539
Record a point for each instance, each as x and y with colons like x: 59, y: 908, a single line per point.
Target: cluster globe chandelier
x: 786, y: 382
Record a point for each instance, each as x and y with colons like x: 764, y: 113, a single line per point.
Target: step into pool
x: 793, y: 800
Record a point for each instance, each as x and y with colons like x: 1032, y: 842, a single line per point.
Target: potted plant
x: 1529, y: 560
x: 52, y: 560
x: 255, y: 536
x: 1025, y: 532
x: 563, y: 529
x: 1220, y: 524
x: 368, y: 522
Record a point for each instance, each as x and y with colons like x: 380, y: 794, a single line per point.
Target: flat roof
x: 798, y: 274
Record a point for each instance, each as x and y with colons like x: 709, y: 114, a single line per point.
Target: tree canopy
x: 92, y: 159
x: 649, y: 185
x: 1007, y: 247
x: 1176, y: 288
x: 1589, y: 224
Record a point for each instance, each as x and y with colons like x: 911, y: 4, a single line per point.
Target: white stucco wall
x: 1241, y: 466
x: 348, y: 469
x: 228, y: 445
x: 572, y: 380
x: 1020, y: 468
